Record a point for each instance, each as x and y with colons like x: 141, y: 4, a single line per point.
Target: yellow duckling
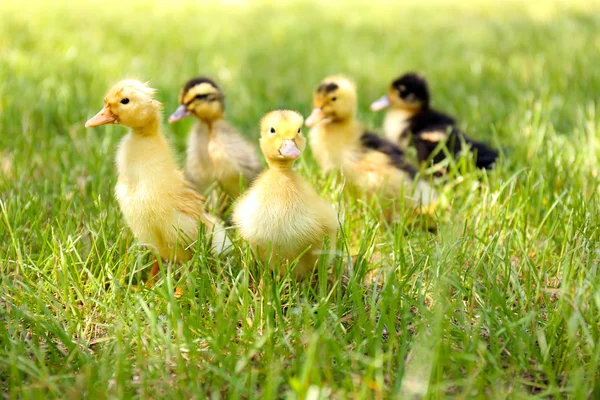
x: 159, y: 205
x: 371, y: 163
x: 281, y: 212
x: 216, y: 152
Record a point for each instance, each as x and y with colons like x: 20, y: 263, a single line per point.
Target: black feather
x: 327, y: 87
x: 411, y: 83
x: 197, y: 81
x: 485, y: 156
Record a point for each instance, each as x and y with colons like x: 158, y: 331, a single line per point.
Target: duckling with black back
x: 411, y: 119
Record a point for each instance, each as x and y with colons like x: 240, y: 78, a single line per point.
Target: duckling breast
x: 395, y: 127
x: 329, y: 148
x: 277, y: 216
x: 198, y: 164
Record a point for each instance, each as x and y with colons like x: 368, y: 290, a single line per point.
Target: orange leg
x: 154, y: 270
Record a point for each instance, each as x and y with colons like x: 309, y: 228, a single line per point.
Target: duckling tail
x: 485, y: 155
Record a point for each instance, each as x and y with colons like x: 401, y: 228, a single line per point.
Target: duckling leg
x: 153, y: 272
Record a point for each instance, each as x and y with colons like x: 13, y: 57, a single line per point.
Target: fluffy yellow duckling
x: 281, y: 212
x: 216, y: 151
x: 158, y: 203
x: 371, y: 163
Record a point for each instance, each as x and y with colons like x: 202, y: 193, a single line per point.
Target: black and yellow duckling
x: 216, y: 151
x: 281, y: 213
x: 411, y: 119
x: 371, y: 163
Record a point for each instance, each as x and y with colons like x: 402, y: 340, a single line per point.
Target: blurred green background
x: 502, y: 302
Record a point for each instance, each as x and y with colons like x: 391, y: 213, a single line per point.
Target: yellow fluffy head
x: 334, y: 100
x: 202, y: 98
x: 281, y: 138
x: 130, y: 103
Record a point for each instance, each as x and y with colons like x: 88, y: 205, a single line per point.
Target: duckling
x: 160, y: 206
x: 412, y: 119
x: 281, y: 212
x: 371, y: 162
x: 216, y: 152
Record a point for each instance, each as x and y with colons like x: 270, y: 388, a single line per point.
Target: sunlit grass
x: 502, y: 301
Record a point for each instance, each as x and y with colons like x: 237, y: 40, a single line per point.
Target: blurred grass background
x: 502, y: 302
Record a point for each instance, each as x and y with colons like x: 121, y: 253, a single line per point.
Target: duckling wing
x: 428, y: 119
x: 372, y: 142
x: 431, y: 127
x: 428, y: 140
x: 241, y: 151
x: 189, y: 207
x: 383, y: 165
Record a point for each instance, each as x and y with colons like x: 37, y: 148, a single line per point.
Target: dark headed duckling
x: 411, y: 118
x: 216, y: 151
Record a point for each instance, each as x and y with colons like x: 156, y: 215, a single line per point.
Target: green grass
x: 503, y: 301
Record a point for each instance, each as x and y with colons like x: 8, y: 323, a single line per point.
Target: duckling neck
x: 342, y: 122
x: 410, y: 110
x: 144, y: 154
x: 151, y: 126
x: 344, y: 129
x: 209, y: 123
x: 280, y: 165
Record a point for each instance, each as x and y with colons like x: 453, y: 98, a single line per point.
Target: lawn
x: 502, y: 301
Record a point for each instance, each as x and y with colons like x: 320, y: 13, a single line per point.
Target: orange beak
x: 317, y: 115
x: 105, y: 116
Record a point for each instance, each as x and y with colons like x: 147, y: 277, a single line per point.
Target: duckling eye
x: 334, y: 98
x: 272, y: 131
x: 125, y: 101
x: 299, y: 130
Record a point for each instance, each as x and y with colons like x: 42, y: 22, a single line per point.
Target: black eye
x: 125, y: 101
x: 333, y: 98
x: 299, y: 130
x: 272, y: 130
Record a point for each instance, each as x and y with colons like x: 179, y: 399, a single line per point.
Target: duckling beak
x: 289, y: 149
x: 317, y: 115
x: 381, y: 103
x: 105, y: 116
x: 180, y: 113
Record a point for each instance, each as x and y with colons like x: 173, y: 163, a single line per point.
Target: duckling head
x: 281, y: 139
x: 334, y: 100
x: 130, y: 103
x: 409, y: 92
x: 202, y: 98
